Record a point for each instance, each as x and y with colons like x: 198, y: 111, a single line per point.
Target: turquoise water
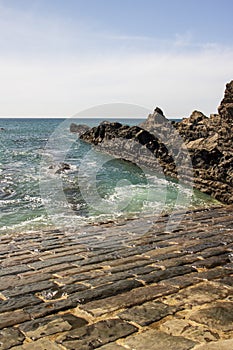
x: 33, y: 194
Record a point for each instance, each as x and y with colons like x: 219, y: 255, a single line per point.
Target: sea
x: 50, y: 178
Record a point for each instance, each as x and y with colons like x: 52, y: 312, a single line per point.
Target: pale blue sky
x: 59, y: 57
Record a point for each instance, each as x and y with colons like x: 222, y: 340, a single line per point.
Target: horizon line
x: 72, y: 117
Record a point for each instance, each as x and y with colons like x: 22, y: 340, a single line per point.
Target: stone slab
x: 112, y: 346
x: 124, y: 300
x: 93, y: 336
x: 10, y: 337
x: 19, y: 302
x: 157, y: 340
x: 13, y: 270
x: 50, y: 308
x: 12, y: 318
x: 30, y: 288
x: 180, y: 327
x: 42, y: 327
x: 218, y: 316
x: 158, y: 276
x: 147, y: 313
x: 200, y: 294
x: 52, y: 327
x: 219, y: 345
x: 41, y: 344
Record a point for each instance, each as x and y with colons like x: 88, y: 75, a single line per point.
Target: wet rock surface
x: 128, y: 289
x: 204, y: 143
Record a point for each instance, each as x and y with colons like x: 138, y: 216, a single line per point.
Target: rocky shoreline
x: 130, y: 284
x: 198, y: 149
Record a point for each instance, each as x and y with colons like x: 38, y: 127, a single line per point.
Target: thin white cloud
x: 176, y: 83
x: 49, y: 66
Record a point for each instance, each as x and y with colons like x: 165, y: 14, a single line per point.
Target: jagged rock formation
x: 132, y: 144
x: 80, y: 129
x: 157, y: 145
x: 209, y: 141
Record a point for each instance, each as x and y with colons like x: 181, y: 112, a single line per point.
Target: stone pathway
x: 131, y: 285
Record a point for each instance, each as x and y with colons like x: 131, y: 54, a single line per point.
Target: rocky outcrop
x: 79, y: 128
x: 209, y: 141
x: 157, y: 118
x: 60, y: 168
x: 133, y: 144
x: 225, y: 109
x: 156, y: 144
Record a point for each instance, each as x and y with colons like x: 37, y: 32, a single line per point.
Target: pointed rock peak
x: 157, y: 117
x: 197, y: 116
x: 158, y: 110
x: 225, y: 109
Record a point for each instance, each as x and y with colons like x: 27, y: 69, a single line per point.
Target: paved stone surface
x: 18, y: 302
x: 125, y: 300
x: 202, y: 293
x: 10, y: 337
x: 95, y: 335
x: 157, y: 340
x: 124, y: 285
x: 180, y: 327
x: 42, y: 344
x: 147, y: 313
x: 219, y: 345
x: 51, y: 325
x: 218, y: 316
x: 11, y: 318
x: 112, y: 346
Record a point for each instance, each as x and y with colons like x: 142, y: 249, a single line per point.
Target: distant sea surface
x: 23, y: 146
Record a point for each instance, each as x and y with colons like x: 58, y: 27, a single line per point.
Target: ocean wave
x: 29, y: 224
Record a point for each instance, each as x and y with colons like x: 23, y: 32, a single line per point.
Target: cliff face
x: 210, y: 143
x: 156, y: 144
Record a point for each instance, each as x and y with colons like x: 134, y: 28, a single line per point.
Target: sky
x: 60, y: 57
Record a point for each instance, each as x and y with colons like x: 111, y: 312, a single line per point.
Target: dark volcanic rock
x: 161, y: 145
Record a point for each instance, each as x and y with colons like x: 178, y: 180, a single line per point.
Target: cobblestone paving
x: 129, y: 285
